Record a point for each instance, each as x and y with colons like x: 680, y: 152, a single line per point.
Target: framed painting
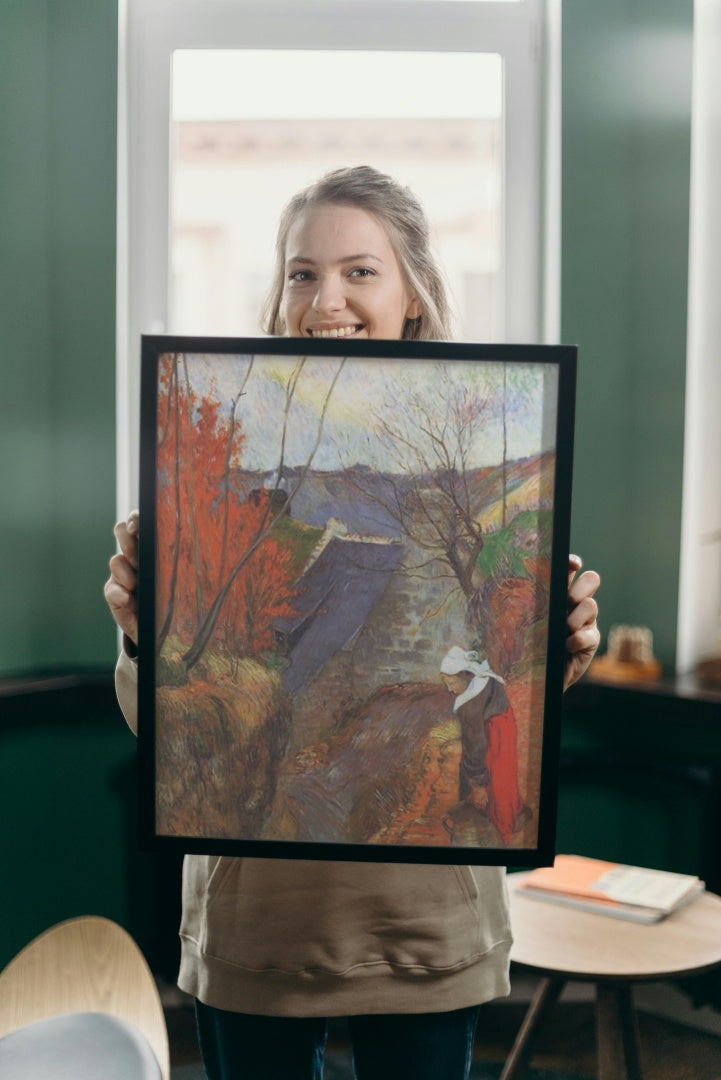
x: 352, y: 597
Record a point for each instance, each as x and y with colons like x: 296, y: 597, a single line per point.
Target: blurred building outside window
x: 236, y: 161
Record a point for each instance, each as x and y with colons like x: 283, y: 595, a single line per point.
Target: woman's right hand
x: 121, y: 587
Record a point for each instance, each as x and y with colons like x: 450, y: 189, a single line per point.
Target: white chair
x: 80, y: 1002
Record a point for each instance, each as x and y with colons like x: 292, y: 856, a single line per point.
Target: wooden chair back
x: 87, y: 964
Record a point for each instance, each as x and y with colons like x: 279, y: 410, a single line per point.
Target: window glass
x: 251, y: 127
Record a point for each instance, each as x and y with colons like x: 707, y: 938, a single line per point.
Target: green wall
x: 63, y: 787
x: 625, y: 202
x: 66, y: 758
x: 58, y: 73
x: 631, y: 789
x: 68, y: 803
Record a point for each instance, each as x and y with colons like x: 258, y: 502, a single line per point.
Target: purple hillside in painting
x: 344, y: 579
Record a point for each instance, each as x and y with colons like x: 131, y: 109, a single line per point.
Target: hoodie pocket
x: 295, y: 916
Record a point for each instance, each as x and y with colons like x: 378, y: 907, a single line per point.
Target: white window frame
x: 526, y: 34
x: 699, y: 598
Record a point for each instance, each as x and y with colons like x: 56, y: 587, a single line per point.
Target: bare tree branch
x: 431, y: 442
x: 193, y: 512
x: 228, y: 459
x: 165, y: 628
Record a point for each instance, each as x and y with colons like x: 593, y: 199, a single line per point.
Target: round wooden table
x: 563, y: 944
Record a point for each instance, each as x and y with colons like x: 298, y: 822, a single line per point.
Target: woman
x: 271, y: 948
x: 488, y: 782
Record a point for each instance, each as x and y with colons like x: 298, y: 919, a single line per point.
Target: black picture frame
x: 322, y: 521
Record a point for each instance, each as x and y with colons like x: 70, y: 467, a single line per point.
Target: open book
x: 608, y: 888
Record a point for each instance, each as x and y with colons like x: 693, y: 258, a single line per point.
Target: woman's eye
x: 362, y: 272
x: 300, y: 276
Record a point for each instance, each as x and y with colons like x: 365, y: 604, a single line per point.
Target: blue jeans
x: 415, y: 1046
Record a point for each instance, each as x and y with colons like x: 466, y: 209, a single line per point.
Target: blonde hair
x: 403, y: 217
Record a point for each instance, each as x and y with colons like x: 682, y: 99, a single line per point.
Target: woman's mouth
x: 335, y: 331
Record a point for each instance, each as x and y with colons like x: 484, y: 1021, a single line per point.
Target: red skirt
x: 505, y: 802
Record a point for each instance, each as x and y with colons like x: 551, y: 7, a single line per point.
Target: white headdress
x: 457, y: 660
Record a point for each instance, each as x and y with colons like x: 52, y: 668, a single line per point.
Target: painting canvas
x: 353, y: 565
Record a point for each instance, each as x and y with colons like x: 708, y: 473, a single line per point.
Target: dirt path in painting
x: 420, y: 821
x: 378, y: 761
x: 391, y: 775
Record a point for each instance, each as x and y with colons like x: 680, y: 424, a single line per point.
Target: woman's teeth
x: 337, y: 331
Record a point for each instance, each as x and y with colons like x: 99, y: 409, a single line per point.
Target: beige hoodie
x: 284, y: 937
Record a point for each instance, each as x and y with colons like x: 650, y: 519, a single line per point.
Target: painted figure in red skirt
x: 488, y: 781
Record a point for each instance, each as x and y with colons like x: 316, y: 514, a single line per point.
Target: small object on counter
x: 629, y: 657
x: 708, y: 671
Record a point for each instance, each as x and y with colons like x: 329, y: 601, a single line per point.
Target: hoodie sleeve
x: 126, y: 688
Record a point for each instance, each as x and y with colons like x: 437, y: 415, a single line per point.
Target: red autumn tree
x: 206, y: 525
x: 262, y: 590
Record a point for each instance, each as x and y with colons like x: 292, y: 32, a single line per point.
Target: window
x: 236, y: 158
x: 227, y: 107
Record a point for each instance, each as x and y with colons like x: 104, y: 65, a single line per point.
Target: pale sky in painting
x: 369, y: 389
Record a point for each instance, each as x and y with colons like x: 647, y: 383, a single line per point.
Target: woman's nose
x: 329, y: 296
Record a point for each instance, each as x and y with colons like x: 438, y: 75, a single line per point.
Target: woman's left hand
x: 583, y: 635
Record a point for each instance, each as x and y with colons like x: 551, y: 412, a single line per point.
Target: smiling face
x: 342, y: 277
